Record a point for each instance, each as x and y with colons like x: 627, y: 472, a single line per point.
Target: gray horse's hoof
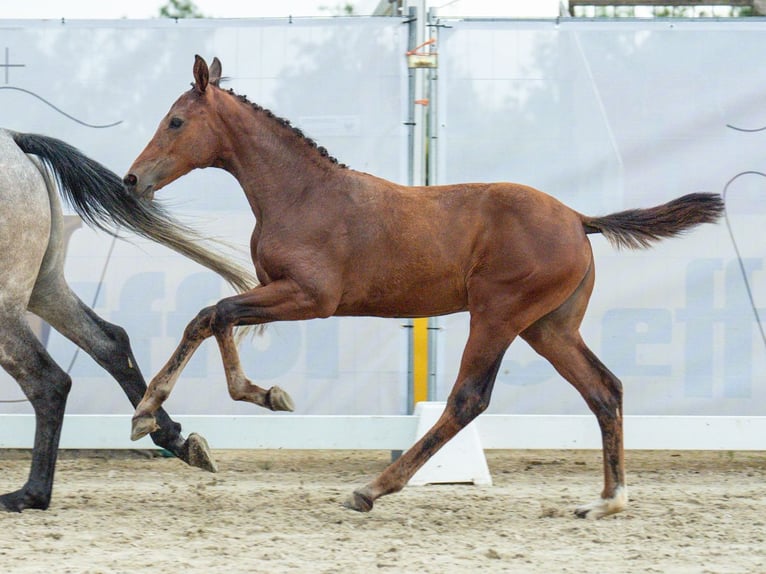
x: 279, y: 400
x: 142, y: 426
x: 198, y: 453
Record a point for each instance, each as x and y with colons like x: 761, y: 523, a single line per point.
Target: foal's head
x: 186, y: 138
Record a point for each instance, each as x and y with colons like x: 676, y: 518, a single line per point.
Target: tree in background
x: 666, y: 9
x: 187, y: 9
x: 180, y: 9
x: 339, y: 9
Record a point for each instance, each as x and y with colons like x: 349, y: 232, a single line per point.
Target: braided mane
x: 286, y: 123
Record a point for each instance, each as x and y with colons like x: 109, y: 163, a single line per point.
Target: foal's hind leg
x: 46, y: 386
x: 110, y: 347
x: 470, y: 396
x: 556, y: 337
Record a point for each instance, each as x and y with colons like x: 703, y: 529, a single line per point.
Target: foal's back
x: 421, y: 250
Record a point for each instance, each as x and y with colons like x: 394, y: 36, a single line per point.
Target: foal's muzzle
x: 130, y: 182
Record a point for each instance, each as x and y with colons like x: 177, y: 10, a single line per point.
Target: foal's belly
x: 410, y: 299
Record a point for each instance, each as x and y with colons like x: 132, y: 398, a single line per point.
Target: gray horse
x: 34, y: 169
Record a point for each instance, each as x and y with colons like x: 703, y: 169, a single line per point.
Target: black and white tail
x: 98, y: 196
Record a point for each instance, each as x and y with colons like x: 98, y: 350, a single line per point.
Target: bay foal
x: 331, y: 241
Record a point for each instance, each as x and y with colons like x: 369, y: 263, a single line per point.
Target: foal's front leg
x: 159, y: 389
x: 240, y: 387
x: 279, y: 301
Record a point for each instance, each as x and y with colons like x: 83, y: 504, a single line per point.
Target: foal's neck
x: 272, y: 160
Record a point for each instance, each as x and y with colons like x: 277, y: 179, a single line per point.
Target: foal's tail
x: 640, y: 228
x: 98, y: 196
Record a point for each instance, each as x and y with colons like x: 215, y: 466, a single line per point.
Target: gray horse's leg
x: 109, y: 346
x: 46, y: 386
x: 24, y: 237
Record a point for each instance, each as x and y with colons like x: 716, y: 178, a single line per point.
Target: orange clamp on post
x: 414, y: 51
x: 418, y: 59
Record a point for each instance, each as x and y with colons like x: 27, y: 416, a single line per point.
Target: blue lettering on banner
x: 624, y: 330
x: 276, y: 352
x: 738, y: 345
x: 718, y: 334
x: 701, y: 316
x: 193, y: 293
x: 268, y: 356
x: 135, y: 313
x: 706, y: 321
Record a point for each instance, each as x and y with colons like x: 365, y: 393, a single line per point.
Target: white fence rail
x: 397, y: 432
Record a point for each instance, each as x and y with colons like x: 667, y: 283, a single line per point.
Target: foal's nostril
x: 130, y: 180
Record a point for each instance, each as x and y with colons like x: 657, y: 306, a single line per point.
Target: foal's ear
x: 215, y: 72
x: 201, y: 74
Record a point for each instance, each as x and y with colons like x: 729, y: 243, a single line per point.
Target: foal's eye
x: 176, y: 123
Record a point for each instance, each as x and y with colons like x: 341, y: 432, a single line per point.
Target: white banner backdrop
x: 609, y: 116
x: 604, y: 116
x: 104, y: 87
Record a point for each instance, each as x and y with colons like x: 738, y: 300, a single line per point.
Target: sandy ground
x: 280, y: 511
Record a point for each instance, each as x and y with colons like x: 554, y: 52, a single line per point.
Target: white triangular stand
x: 460, y: 460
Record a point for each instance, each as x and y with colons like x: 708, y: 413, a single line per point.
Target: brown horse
x: 329, y: 240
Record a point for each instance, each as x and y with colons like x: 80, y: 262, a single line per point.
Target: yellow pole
x: 420, y: 360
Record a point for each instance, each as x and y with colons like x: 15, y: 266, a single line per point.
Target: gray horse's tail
x: 98, y: 196
x: 640, y: 228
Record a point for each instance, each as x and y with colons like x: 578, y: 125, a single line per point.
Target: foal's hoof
x: 197, y: 453
x: 358, y: 501
x: 142, y: 426
x: 604, y: 506
x: 279, y: 400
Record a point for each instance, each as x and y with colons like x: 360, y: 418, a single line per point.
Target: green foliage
x: 339, y: 9
x: 180, y: 9
x: 672, y: 10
